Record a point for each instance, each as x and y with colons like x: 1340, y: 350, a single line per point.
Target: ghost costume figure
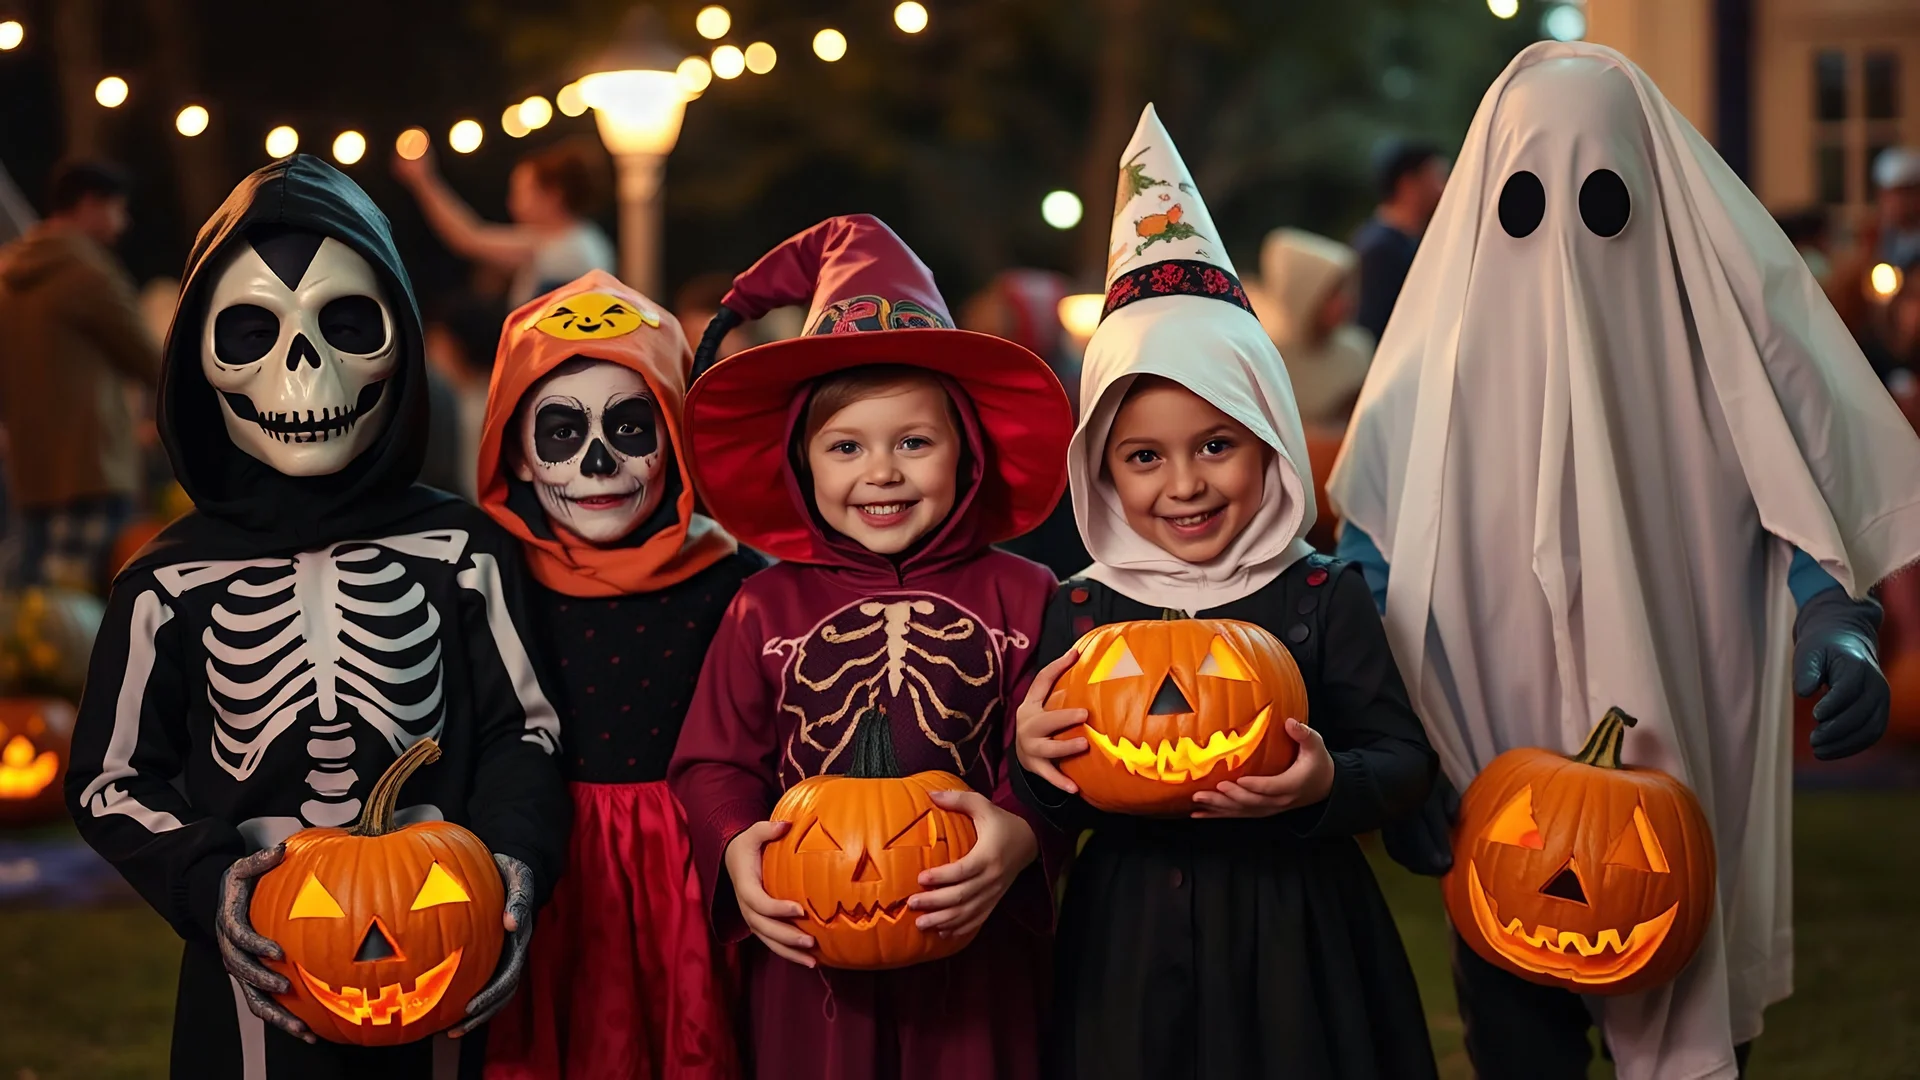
x: 1612, y: 437
x: 266, y: 658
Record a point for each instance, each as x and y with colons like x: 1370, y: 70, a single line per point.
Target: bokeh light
x: 191, y: 120
x: 282, y: 142
x: 511, y: 123
x: 412, y: 144
x: 729, y: 62
x: 466, y: 136
x: 1884, y: 279
x: 111, y: 91
x: 829, y: 45
x: 911, y: 17
x: 1061, y: 209
x: 1564, y: 22
x: 760, y: 58
x: 11, y: 35
x: 536, y: 112
x: 349, y: 147
x: 695, y: 76
x: 1080, y: 313
x: 570, y: 101
x: 1504, y: 9
x: 713, y: 22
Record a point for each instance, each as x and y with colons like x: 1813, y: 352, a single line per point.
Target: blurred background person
x: 1023, y: 306
x: 461, y: 334
x: 1409, y: 175
x: 551, y: 195
x: 1892, y: 343
x: 1896, y: 181
x: 72, y: 334
x: 1305, y: 300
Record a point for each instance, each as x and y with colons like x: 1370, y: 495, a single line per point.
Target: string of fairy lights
x: 695, y: 74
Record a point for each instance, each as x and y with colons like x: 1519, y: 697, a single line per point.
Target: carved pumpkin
x: 1177, y: 706
x: 34, y: 737
x: 855, y: 852
x: 388, y: 932
x: 1581, y: 872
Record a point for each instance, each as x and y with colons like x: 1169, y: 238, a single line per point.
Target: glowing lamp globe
x: 1175, y: 706
x: 855, y: 851
x: 1581, y: 872
x: 388, y: 930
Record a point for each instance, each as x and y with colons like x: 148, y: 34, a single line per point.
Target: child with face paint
x: 579, y: 461
x: 1249, y: 938
x: 878, y: 455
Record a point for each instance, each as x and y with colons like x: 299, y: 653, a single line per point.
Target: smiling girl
x: 877, y: 456
x: 1247, y: 939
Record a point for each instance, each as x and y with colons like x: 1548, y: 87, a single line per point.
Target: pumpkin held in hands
x: 1176, y: 706
x: 855, y: 851
x: 34, y: 742
x: 1581, y: 872
x: 388, y: 931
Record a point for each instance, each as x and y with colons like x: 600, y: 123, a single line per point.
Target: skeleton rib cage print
x: 309, y: 644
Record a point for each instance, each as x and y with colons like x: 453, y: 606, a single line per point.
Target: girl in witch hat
x: 877, y: 456
x: 581, y: 460
x: 1248, y: 939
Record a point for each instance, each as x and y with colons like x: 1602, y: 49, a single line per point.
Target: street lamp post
x: 638, y: 102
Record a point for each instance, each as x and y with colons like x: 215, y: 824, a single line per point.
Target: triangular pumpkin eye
x: 1221, y: 662
x: 439, y: 888
x: 313, y: 901
x: 1116, y: 663
x: 816, y: 838
x: 1514, y: 823
x: 1638, y: 847
x: 924, y: 832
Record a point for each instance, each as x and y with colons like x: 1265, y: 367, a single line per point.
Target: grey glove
x: 240, y: 943
x: 513, y: 959
x: 1423, y: 840
x: 1836, y: 641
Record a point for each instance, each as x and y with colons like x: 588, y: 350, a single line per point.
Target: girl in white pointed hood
x: 1246, y: 938
x: 1613, y: 437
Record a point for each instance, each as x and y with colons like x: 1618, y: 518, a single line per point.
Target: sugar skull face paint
x: 591, y: 444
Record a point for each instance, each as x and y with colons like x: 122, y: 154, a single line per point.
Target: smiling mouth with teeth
x: 314, y: 425
x: 860, y: 916
x: 1178, y: 762
x: 355, y: 1005
x: 1567, y: 954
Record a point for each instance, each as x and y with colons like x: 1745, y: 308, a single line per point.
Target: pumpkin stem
x: 873, y: 756
x: 1172, y: 615
x: 1605, y: 740
x: 376, y: 818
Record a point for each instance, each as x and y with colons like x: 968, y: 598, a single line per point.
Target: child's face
x: 884, y: 467
x: 1189, y: 477
x: 592, y: 445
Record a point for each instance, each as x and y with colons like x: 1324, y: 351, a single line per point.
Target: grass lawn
x: 87, y: 995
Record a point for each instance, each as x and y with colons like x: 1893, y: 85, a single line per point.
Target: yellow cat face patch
x: 592, y: 315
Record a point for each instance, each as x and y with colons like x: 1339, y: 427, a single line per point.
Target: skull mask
x: 591, y: 446
x: 299, y: 346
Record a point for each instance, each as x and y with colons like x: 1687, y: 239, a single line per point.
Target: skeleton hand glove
x: 240, y: 943
x: 1835, y: 643
x: 1423, y: 840
x: 513, y: 960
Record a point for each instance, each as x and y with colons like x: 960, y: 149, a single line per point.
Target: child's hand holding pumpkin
x: 963, y: 893
x: 765, y: 916
x: 1303, y: 783
x: 1035, y: 727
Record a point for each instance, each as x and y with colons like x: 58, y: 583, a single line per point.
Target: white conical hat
x: 1163, y: 242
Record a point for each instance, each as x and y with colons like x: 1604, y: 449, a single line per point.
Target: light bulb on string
x: 111, y: 92
x: 412, y: 144
x: 760, y: 58
x: 11, y: 35
x: 829, y: 45
x: 191, y: 120
x: 713, y: 22
x: 910, y: 16
x: 465, y: 137
x: 569, y: 100
x: 536, y: 112
x: 511, y: 123
x: 729, y: 62
x: 349, y: 147
x: 282, y: 142
x: 695, y: 75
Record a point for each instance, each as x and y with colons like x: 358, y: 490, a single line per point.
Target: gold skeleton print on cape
x: 931, y: 665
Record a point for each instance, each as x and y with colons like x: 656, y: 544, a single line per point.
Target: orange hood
x: 542, y: 335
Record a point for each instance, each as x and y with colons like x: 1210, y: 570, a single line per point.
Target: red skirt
x: 624, y: 980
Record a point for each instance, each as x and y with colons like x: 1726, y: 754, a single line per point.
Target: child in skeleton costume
x: 579, y: 462
x: 1619, y: 451
x: 1249, y: 939
x: 877, y: 456
x: 272, y: 652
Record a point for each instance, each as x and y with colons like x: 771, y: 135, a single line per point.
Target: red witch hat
x: 871, y: 301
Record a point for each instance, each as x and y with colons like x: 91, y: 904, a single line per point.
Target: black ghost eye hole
x: 1605, y: 205
x: 354, y: 324
x: 1523, y: 202
x: 244, y: 333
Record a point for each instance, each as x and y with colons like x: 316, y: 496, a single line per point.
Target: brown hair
x: 834, y: 392
x: 574, y: 167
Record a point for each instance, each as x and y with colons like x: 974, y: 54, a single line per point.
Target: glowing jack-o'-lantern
x: 388, y: 932
x: 1581, y: 872
x: 855, y: 851
x: 34, y: 735
x: 1177, y: 706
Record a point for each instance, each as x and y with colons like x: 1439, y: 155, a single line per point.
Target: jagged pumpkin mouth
x: 1567, y: 954
x: 1176, y: 762
x: 860, y: 916
x: 355, y: 1005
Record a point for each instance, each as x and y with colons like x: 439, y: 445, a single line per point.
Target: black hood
x: 230, y: 486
